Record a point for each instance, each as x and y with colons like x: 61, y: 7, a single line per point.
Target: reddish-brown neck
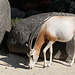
x: 39, y: 42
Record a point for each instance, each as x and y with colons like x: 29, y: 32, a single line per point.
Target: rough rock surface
x: 72, y: 7
x: 20, y: 32
x: 17, y: 13
x: 31, y: 12
x: 5, y: 18
x: 26, y: 5
x: 67, y: 6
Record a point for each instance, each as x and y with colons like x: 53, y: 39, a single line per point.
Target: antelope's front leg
x: 45, y: 64
x: 51, y: 51
x: 44, y: 52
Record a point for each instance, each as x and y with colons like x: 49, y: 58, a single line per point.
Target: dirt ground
x: 13, y: 64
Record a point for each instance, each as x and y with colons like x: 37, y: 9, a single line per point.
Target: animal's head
x: 32, y: 54
x: 33, y: 57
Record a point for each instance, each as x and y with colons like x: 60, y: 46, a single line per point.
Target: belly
x: 64, y: 38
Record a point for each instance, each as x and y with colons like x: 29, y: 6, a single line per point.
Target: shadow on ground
x: 13, y: 60
x: 19, y: 61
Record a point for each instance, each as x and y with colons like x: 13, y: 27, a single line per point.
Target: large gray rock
x: 67, y: 6
x: 17, y: 13
x: 72, y: 7
x: 5, y: 18
x: 20, y: 32
x: 31, y: 12
x: 60, y: 6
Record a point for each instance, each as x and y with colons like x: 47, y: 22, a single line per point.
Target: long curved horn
x: 33, y: 33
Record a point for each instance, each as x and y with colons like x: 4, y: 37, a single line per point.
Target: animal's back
x: 61, y: 27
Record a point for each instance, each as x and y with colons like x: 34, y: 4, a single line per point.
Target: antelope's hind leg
x: 51, y: 51
x: 72, y: 62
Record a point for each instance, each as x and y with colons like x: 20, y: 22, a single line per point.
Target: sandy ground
x: 13, y: 64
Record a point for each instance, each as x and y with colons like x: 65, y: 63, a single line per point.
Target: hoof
x: 70, y: 65
x: 45, y: 66
x: 49, y: 64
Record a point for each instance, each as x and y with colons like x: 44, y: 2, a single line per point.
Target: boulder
x: 26, y: 5
x: 60, y: 6
x: 31, y: 12
x: 19, y: 34
x: 67, y: 6
x: 72, y: 7
x: 5, y: 18
x: 17, y: 13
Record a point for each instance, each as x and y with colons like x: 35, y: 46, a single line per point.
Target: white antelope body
x: 57, y: 28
